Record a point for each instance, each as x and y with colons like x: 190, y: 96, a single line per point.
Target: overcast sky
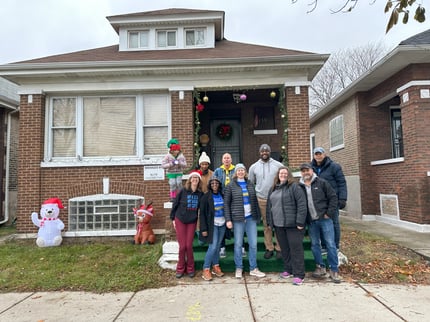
x: 39, y: 28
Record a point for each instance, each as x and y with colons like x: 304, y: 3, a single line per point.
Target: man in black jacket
x: 322, y: 205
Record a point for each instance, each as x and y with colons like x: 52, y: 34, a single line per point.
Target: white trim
x: 105, y: 233
x: 387, y: 161
x: 421, y: 228
x: 428, y: 173
x: 297, y: 83
x: 262, y: 132
x: 413, y: 83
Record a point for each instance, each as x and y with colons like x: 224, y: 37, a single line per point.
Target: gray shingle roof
x: 422, y: 38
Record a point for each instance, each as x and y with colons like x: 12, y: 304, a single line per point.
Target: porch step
x: 272, y: 265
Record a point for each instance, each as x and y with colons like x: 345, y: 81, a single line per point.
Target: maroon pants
x: 185, y: 237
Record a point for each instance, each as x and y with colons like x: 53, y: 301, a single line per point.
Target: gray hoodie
x: 263, y: 174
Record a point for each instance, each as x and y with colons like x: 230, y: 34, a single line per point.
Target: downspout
x: 6, y: 194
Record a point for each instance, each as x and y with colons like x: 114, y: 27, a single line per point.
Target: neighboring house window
x: 195, y: 37
x: 108, y: 127
x: 396, y: 133
x: 166, y: 38
x: 312, y: 142
x: 336, y: 133
x: 138, y: 39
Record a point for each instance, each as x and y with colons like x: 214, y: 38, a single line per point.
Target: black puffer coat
x: 233, y: 202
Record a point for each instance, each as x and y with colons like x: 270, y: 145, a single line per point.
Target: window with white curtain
x: 86, y: 127
x: 195, y: 37
x: 138, y: 39
x: 166, y: 38
x: 336, y: 133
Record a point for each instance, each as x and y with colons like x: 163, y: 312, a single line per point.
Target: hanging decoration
x: 284, y: 117
x: 199, y: 108
x: 224, y: 131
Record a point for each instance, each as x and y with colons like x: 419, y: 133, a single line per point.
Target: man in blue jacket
x: 327, y: 169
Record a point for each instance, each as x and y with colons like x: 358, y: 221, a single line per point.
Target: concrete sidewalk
x: 227, y: 299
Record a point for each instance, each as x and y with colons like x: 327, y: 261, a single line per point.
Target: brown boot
x: 216, y: 270
x: 207, y: 274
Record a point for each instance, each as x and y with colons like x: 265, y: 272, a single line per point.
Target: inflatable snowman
x: 50, y: 225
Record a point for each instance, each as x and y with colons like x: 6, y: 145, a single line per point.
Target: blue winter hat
x: 319, y: 150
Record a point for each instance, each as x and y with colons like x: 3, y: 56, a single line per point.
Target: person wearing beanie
x: 174, y: 163
x: 212, y: 228
x: 242, y: 215
x: 262, y: 173
x: 204, y: 162
x: 184, y: 214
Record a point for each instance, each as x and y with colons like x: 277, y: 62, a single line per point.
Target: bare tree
x: 396, y: 8
x: 340, y: 70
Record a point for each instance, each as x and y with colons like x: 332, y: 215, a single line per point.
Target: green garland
x: 196, y: 101
x: 284, y: 117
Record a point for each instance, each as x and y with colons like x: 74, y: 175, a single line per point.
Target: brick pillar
x: 31, y: 138
x: 297, y: 104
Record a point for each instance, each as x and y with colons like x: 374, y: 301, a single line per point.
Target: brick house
x: 377, y: 129
x: 94, y: 124
x: 9, y: 118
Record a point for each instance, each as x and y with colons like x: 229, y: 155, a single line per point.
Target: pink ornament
x: 243, y: 97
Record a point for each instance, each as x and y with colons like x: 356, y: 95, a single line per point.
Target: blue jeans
x: 239, y: 228
x: 323, y: 229
x: 336, y: 225
x: 212, y: 254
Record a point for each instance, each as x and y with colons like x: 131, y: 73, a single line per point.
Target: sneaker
x: 216, y: 270
x: 238, y: 273
x: 268, y: 254
x: 319, y: 272
x: 256, y: 272
x: 222, y: 253
x: 278, y: 255
x: 191, y: 275
x: 335, y: 277
x: 243, y: 252
x: 285, y: 275
x: 298, y: 281
x: 179, y: 275
x: 207, y: 274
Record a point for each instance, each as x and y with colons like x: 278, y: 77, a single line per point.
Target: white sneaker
x: 238, y: 273
x: 222, y: 253
x: 256, y: 272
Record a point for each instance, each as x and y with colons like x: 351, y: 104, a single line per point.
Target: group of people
x: 233, y: 200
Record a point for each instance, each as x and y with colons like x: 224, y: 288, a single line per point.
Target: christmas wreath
x: 224, y: 132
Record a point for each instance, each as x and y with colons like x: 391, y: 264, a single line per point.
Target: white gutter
x: 6, y: 185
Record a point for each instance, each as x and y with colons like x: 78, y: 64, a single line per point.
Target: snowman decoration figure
x: 50, y: 226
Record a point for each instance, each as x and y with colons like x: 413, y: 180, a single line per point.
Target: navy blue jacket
x: 332, y: 172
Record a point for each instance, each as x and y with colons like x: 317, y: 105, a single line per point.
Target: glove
x: 342, y: 204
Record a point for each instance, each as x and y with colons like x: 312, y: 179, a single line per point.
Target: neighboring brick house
x: 378, y: 130
x: 94, y: 124
x: 9, y: 120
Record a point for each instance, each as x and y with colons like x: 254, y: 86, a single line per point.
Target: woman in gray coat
x: 286, y: 214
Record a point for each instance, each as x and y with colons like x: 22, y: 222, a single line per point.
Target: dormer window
x: 195, y: 37
x: 166, y: 38
x: 138, y: 39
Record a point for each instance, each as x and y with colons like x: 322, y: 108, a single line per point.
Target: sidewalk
x: 249, y: 299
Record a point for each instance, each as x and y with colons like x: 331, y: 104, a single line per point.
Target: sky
x: 32, y: 29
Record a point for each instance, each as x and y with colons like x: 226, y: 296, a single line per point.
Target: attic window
x: 166, y: 38
x: 195, y: 37
x: 138, y: 39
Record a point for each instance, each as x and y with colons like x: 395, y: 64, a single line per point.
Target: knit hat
x: 173, y: 145
x: 265, y: 147
x: 204, y: 158
x: 196, y: 173
x: 54, y: 201
x: 240, y: 166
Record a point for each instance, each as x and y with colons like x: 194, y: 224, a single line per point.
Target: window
x: 107, y: 127
x: 264, y: 118
x: 396, y: 133
x: 138, y: 39
x: 313, y: 144
x: 166, y: 38
x: 195, y: 37
x: 336, y: 133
